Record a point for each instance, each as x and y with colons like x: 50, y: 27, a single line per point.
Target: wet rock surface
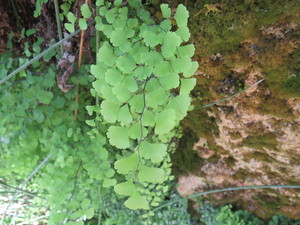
x: 253, y: 138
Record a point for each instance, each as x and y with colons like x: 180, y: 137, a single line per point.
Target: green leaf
x: 109, y: 182
x: 171, y: 42
x: 82, y: 24
x: 162, y: 69
x: 151, y: 174
x: 90, y: 109
x: 157, y: 97
x: 136, y: 201
x: 151, y: 39
x: 155, y: 152
x: 181, y: 64
x: 148, y: 118
x: 186, y: 51
x: 166, y: 25
x: 151, y: 58
x: 117, y: 2
x: 123, y: 166
x: 126, y: 188
x: 45, y: 97
x: 99, y: 2
x: 110, y: 111
x: 107, y: 55
x: 30, y: 32
x: 89, y: 213
x: 98, y: 85
x: 107, y: 30
x: 135, y: 131
x: 113, y: 76
x: 187, y: 85
x: 121, y: 92
x: 132, y: 22
x: 165, y: 121
x: 143, y: 72
x: 85, y: 11
x: 7, y: 99
x: 135, y: 3
x: 109, y: 173
x: 98, y: 70
x: 124, y: 115
x: 99, y: 24
x: 91, y: 123
x: 71, y: 17
x: 107, y: 93
x: 170, y: 81
x: 38, y: 116
x: 180, y: 105
x: 183, y: 33
x: 118, y: 37
x: 130, y: 83
x: 85, y: 204
x: 102, y: 11
x: 119, y: 24
x: 166, y: 11
x: 125, y: 64
x: 110, y: 16
x: 181, y: 16
x: 123, y: 13
x: 118, y: 136
x: 70, y: 27
x: 188, y: 72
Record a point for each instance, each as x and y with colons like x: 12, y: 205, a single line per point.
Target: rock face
x: 253, y: 138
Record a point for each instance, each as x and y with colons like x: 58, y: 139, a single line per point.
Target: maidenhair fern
x: 122, y: 141
x: 143, y: 75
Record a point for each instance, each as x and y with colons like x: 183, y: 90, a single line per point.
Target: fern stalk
x: 226, y: 189
x: 34, y: 59
x: 58, y: 26
x: 231, y: 96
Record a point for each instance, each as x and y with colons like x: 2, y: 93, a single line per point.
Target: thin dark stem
x: 23, y: 184
x: 58, y: 26
x: 231, y: 96
x: 21, y: 190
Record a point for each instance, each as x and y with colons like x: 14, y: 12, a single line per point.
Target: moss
x: 185, y: 159
x: 276, y: 107
x: 214, y: 159
x: 230, y: 161
x: 201, y: 124
x: 235, y: 135
x: 241, y: 174
x: 260, y: 156
x: 259, y: 142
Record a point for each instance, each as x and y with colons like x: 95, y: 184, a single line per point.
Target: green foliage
x: 122, y: 139
x: 142, y: 63
x: 211, y: 215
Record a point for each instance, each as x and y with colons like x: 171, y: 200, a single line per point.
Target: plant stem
x: 97, y: 49
x: 231, y: 96
x: 227, y: 189
x: 58, y: 26
x: 22, y: 185
x: 34, y: 59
